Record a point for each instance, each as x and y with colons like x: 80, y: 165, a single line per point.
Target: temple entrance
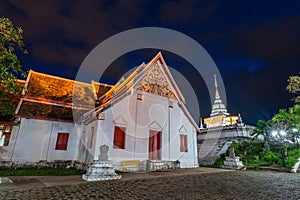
x: 154, y: 145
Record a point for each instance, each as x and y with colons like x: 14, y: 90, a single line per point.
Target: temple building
x: 142, y: 118
x: 219, y: 131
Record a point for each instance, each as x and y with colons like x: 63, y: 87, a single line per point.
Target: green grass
x: 40, y: 172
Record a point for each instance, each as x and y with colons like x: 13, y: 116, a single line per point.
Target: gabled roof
x: 51, y: 97
x: 99, y: 90
x: 40, y: 110
x: 135, y: 79
x: 45, y: 87
x: 153, y: 77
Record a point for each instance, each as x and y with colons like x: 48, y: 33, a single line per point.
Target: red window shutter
x: 183, y: 143
x: 119, y: 138
x: 154, y: 145
x: 90, y: 137
x: 62, y: 141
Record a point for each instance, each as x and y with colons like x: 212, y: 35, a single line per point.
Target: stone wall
x: 213, y: 142
x: 61, y: 164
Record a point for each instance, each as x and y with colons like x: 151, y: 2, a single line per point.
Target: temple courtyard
x: 198, y: 183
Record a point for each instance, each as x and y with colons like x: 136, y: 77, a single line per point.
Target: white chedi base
x: 233, y: 163
x: 100, y: 170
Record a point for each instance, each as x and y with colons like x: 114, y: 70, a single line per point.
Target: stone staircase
x: 210, y: 152
x: 214, y: 142
x: 224, y: 148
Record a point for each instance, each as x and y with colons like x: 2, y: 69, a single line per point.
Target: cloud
x: 65, y: 31
x: 275, y: 41
x: 256, y: 48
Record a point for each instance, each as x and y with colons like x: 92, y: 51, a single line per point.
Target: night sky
x: 255, y: 44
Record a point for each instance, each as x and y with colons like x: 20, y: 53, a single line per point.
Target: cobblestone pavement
x: 222, y: 185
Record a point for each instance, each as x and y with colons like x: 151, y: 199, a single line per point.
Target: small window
x: 90, y: 139
x: 119, y: 138
x: 62, y: 141
x: 183, y: 143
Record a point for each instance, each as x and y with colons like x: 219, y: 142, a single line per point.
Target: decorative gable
x: 155, y: 126
x: 156, y: 83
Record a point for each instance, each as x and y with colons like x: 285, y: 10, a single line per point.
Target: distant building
x: 219, y: 116
x: 142, y: 119
x: 221, y: 129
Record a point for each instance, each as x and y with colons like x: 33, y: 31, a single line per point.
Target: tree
x: 11, y: 42
x: 294, y: 87
x: 291, y: 118
x: 261, y: 130
x: 284, y: 128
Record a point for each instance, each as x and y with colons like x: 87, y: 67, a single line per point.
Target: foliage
x: 291, y: 119
x: 219, y: 162
x: 280, y: 134
x: 249, y: 152
x: 287, y: 120
x: 11, y: 42
x: 271, y: 159
x: 290, y: 116
x: 40, y: 172
x: 294, y: 87
x: 260, y: 129
x: 252, y: 154
x: 293, y: 156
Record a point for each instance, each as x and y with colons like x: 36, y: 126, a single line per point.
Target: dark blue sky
x: 255, y: 44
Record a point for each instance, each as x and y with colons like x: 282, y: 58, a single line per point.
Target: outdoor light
x: 274, y: 133
x: 279, y: 137
x: 282, y: 133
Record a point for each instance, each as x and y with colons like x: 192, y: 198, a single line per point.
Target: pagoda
x: 219, y: 115
x: 219, y: 131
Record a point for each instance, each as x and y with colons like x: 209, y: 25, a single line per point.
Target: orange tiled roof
x: 100, y: 89
x: 52, y: 97
x: 30, y: 109
x: 44, y: 86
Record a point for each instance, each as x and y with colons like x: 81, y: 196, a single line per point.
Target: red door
x: 154, y: 145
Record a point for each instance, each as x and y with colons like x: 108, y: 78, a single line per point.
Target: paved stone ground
x: 222, y: 185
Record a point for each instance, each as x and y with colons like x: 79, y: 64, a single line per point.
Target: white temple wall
x: 181, y: 125
x: 36, y: 140
x: 7, y: 153
x: 141, y: 116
